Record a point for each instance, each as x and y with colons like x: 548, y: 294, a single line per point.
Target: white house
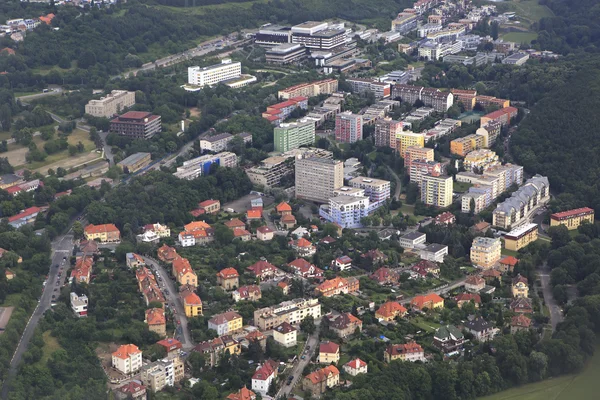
x: 264, y: 375
x: 355, y: 367
x: 285, y: 334
x: 434, y: 252
x: 79, y: 304
x: 412, y: 240
x: 343, y: 263
x: 187, y: 239
x: 127, y: 359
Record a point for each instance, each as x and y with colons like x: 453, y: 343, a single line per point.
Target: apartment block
x: 114, y: 103
x: 573, y: 218
x: 491, y: 101
x: 105, y: 233
x: 407, y: 139
x: 312, y: 89
x: 216, y: 143
x: 474, y: 202
x: 416, y: 153
x: 346, y: 211
x: 226, y: 323
x: 465, y: 97
x: 317, y: 178
x: 127, y: 359
x: 420, y: 168
x: 277, y: 113
x: 519, y: 207
x: 136, y: 125
x: 381, y: 90
x: 293, y: 135
x: 520, y: 237
x: 292, y: 312
x: 504, y: 116
x: 202, y: 165
x: 378, y: 190
x: 480, y: 160
x: 485, y: 252
x: 270, y: 171
x: 463, y: 146
x: 214, y: 74
x: 405, y: 22
x: 438, y: 100
x: 162, y: 373
x: 348, y: 127
x: 437, y: 190
x: 386, y: 130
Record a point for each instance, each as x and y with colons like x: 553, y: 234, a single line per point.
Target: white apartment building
x: 434, y: 252
x: 114, y: 103
x: 412, y: 240
x: 79, y: 304
x: 378, y: 190
x: 292, y: 312
x: 127, y: 359
x: 199, y: 166
x: 214, y: 74
x: 317, y: 178
x: 437, y: 190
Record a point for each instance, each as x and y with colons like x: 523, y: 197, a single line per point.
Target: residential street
x: 173, y: 298
x: 556, y: 314
x: 62, y: 247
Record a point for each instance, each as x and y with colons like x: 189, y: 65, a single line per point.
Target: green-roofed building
x: 448, y: 338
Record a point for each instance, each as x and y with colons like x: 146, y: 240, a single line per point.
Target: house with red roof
x: 210, y: 206
x: 228, y: 278
x: 337, y: 285
x: 167, y: 254
x: 264, y: 233
x: 242, y: 394
x: 263, y: 270
x: 445, y: 218
x: 263, y: 376
x: 235, y: 223
x: 355, y: 367
x: 344, y: 325
x: 127, y: 359
x: 283, y: 208
x: 329, y: 352
x: 507, y: 264
x: 253, y: 215
x: 429, y: 301
x: 385, y: 276
x: 183, y: 272
x: 105, y: 233
x: 342, y: 263
x: 172, y: 346
x: 242, y: 234
x: 25, y: 217
x: 464, y: 298
x: 519, y: 323
x: 410, y: 351
x: 305, y: 269
x: 474, y: 283
x: 303, y: 247
x: 82, y: 271
x: 131, y: 390
x: 248, y: 293
x: 156, y: 321
x: 317, y: 382
x: 390, y: 310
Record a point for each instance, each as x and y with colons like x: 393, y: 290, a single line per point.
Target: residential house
x: 9, y: 274
x: 161, y: 231
x: 344, y: 325
x: 434, y: 252
x: 474, y: 283
x: 283, y: 208
x: 305, y: 269
x: 127, y: 359
x: 285, y: 287
x: 263, y: 376
x: 264, y: 233
x: 183, y: 272
x: 242, y: 394
x: 88, y: 247
x: 134, y: 260
x: 465, y: 298
x: 171, y: 346
x: 337, y: 286
x: 480, y: 227
x: 243, y: 234
x: 375, y: 256
x: 445, y: 218
x: 25, y: 217
x: 257, y: 336
x: 520, y: 287
x: 253, y: 215
x: 263, y: 270
x: 166, y: 254
x: 288, y: 221
x: 292, y: 311
x: 355, y: 367
x: 235, y: 223
x: 426, y: 268
x: 481, y: 329
x: 192, y: 304
x: 82, y: 271
x: 519, y: 323
x: 226, y: 323
x: 155, y: 318
x: 228, y: 278
x: 410, y: 351
x: 429, y: 301
x: 79, y: 304
x: 210, y: 206
x: 342, y: 263
x: 329, y: 352
x: 385, y: 276
x: 285, y: 334
x: 212, y: 349
x: 303, y: 247
x: 106, y: 233
x: 507, y: 264
x: 249, y: 293
x: 490, y: 275
x: 521, y: 305
x: 448, y: 339
x: 318, y: 381
x: 412, y: 240
x: 390, y: 310
x: 131, y: 391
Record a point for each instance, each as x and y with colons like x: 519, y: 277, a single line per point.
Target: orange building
x: 336, y: 286
x: 390, y: 310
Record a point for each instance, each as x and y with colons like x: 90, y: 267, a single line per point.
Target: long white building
x: 214, y: 74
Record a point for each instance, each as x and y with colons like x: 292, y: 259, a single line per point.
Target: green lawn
x: 529, y: 11
x: 506, y: 252
x: 461, y: 187
x: 520, y: 37
x: 424, y: 325
x: 583, y: 386
x: 50, y: 346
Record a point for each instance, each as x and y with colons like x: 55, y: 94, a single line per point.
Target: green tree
x: 308, y: 325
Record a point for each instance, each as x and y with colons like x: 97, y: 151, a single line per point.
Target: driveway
x: 556, y: 314
x: 173, y: 298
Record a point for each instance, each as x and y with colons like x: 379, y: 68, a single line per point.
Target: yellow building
x: 520, y: 286
x: 521, y: 237
x: 104, y: 233
x: 135, y: 162
x: 437, y: 190
x: 485, y: 252
x: 192, y: 305
x: 463, y: 146
x: 226, y: 323
x: 572, y: 218
x: 406, y: 139
x: 329, y: 352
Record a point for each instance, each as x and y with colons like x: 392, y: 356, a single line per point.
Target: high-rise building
x: 385, y: 132
x: 114, y: 103
x: 485, y: 252
x: 420, y: 168
x: 437, y: 190
x: 408, y: 138
x: 378, y: 190
x: 348, y: 127
x: 317, y: 178
x: 416, y: 153
x: 212, y: 75
x: 293, y: 135
x: 311, y: 89
x: 136, y: 125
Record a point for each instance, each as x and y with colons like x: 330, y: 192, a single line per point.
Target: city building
x: 381, y: 90
x: 413, y: 153
x: 292, y: 135
x: 134, y: 162
x: 474, y: 286
x: 311, y: 89
x: 347, y: 211
x: 412, y: 239
x: 431, y: 97
x: 162, y: 373
x: 285, y: 334
x: 572, y: 219
x: 277, y: 113
x: 420, y: 168
x: 263, y: 270
x: 192, y: 304
x: 286, y: 53
x: 448, y: 339
x: 228, y: 278
x: 273, y: 35
x: 216, y: 143
x: 225, y: 323
x: 156, y: 321
x: 386, y: 130
x: 520, y: 237
x: 106, y: 233
x: 480, y: 329
x: 264, y: 376
x: 183, y: 272
x: 405, y: 22
x: 516, y: 59
x: 213, y: 349
x: 378, y: 190
x: 248, y: 293
x: 112, y: 104
x: 131, y: 390
x: 437, y: 190
x: 317, y: 382
x: 329, y: 352
x: 485, y: 252
x: 520, y: 286
x: 464, y: 145
x: 503, y: 115
x: 79, y: 304
x: 434, y: 252
x: 410, y: 352
x: 521, y: 205
x: 292, y: 312
x: 407, y: 139
x: 430, y: 301
x: 390, y: 310
x: 480, y: 160
x: 214, y: 74
x: 337, y: 285
x: 127, y: 359
x: 136, y: 125
x: 318, y: 35
x: 355, y: 367
x: 348, y: 127
x: 317, y: 178
x: 202, y: 165
x: 271, y: 171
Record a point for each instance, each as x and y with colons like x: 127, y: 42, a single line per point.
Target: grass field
x: 528, y: 11
x: 520, y: 37
x: 50, y: 346
x: 424, y: 325
x: 583, y: 386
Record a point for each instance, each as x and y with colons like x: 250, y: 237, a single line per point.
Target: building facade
x: 348, y: 127
x: 573, y: 218
x: 136, y: 125
x: 317, y: 178
x: 214, y: 74
x: 112, y: 104
x: 293, y: 135
x: 520, y: 237
x: 437, y: 190
x: 485, y: 252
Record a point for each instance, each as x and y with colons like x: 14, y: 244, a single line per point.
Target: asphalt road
x: 556, y: 314
x: 61, y: 247
x: 52, y: 92
x: 300, y: 364
x: 398, y: 183
x: 173, y: 298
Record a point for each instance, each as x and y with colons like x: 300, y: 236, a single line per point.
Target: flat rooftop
x: 134, y: 158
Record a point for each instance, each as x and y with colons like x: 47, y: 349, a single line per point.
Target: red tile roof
x: 243, y: 394
x: 420, y: 301
x: 207, y: 203
x: 26, y: 213
x: 253, y: 214
x: 170, y: 344
x: 91, y: 229
x: 408, y: 348
x: 228, y: 273
x: 192, y: 299
x: 498, y: 113
x: 283, y: 206
x: 391, y: 309
x: 356, y: 363
x: 264, y: 229
x: 322, y: 374
x: 572, y: 213
x: 509, y: 260
x: 265, y: 371
x: 468, y: 297
x: 155, y: 316
x: 329, y: 348
x: 235, y: 223
x: 520, y: 321
x: 262, y: 267
x: 124, y: 351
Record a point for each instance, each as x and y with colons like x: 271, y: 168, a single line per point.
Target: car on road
x: 178, y: 322
x: 303, y: 357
